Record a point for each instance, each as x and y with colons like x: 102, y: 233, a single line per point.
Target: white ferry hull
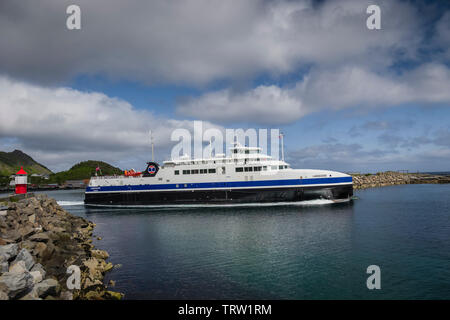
x: 222, y: 196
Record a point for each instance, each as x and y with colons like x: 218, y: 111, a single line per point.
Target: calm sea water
x: 280, y: 252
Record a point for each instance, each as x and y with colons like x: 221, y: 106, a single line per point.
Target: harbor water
x: 314, y: 250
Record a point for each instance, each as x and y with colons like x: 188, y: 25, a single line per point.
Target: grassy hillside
x: 84, y: 170
x: 10, y: 163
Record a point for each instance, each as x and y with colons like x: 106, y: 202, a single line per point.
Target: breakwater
x: 389, y: 178
x: 39, y: 241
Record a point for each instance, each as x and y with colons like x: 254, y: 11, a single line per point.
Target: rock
x: 18, y: 267
x: 92, y: 265
x: 32, y: 218
x: 108, y: 267
x: 88, y: 283
x: 39, y: 249
x: 66, y: 295
x: 40, y: 237
x: 30, y: 296
x: 3, y: 213
x: 93, y: 295
x: 39, y: 268
x: 9, y: 251
x: 4, y: 242
x: 25, y: 256
x: 112, y: 283
x: 12, y: 235
x: 4, y: 267
x: 15, y: 284
x: 37, y: 276
x: 114, y: 295
x: 99, y: 238
x: 3, y: 296
x: 26, y: 231
x: 100, y: 254
x: 46, y: 288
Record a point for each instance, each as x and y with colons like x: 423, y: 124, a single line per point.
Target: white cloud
x: 61, y: 126
x: 343, y: 87
x: 197, y: 42
x: 264, y: 104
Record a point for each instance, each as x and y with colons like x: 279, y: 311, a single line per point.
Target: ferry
x: 246, y: 176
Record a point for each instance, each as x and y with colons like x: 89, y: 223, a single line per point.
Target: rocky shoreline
x: 38, y: 242
x: 390, y: 178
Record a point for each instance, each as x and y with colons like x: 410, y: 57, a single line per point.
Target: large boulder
x: 16, y: 284
x: 39, y: 268
x: 9, y: 251
x: 47, y: 287
x: 18, y: 267
x: 4, y: 267
x: 3, y: 296
x: 40, y: 237
x: 26, y: 257
x: 100, y: 254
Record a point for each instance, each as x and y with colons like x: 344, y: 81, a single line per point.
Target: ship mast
x: 151, y: 141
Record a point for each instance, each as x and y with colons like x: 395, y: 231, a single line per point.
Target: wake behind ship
x: 247, y: 176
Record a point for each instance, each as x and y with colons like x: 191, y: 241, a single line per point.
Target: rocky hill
x: 10, y: 163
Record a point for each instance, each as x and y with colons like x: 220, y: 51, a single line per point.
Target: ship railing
x: 112, y: 177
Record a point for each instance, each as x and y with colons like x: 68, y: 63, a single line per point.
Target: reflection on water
x: 282, y: 252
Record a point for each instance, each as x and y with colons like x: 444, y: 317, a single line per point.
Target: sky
x: 346, y: 98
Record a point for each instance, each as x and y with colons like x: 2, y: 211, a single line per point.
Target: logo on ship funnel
x: 151, y: 169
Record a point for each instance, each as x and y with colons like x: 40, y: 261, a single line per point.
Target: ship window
x: 194, y: 171
x: 265, y: 168
x: 257, y: 169
x: 186, y: 171
x: 274, y: 167
x: 240, y: 169
x: 247, y: 151
x: 211, y: 170
x: 280, y: 167
x: 177, y: 172
x: 234, y: 151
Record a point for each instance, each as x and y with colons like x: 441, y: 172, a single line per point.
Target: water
x: 317, y: 251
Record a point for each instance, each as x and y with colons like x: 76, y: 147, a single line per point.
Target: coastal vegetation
x: 84, y: 170
x: 39, y: 175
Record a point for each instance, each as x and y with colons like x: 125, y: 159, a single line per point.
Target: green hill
x: 10, y: 163
x: 84, y: 170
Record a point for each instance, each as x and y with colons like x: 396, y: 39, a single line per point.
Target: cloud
x: 354, y: 157
x: 264, y: 104
x: 199, y: 42
x: 348, y: 86
x: 61, y: 125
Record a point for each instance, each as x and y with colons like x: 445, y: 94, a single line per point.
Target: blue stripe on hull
x: 233, y: 184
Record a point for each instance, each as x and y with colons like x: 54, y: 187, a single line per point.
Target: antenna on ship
x: 210, y: 147
x: 151, y: 141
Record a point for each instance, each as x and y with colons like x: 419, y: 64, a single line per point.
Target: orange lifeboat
x: 132, y: 173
